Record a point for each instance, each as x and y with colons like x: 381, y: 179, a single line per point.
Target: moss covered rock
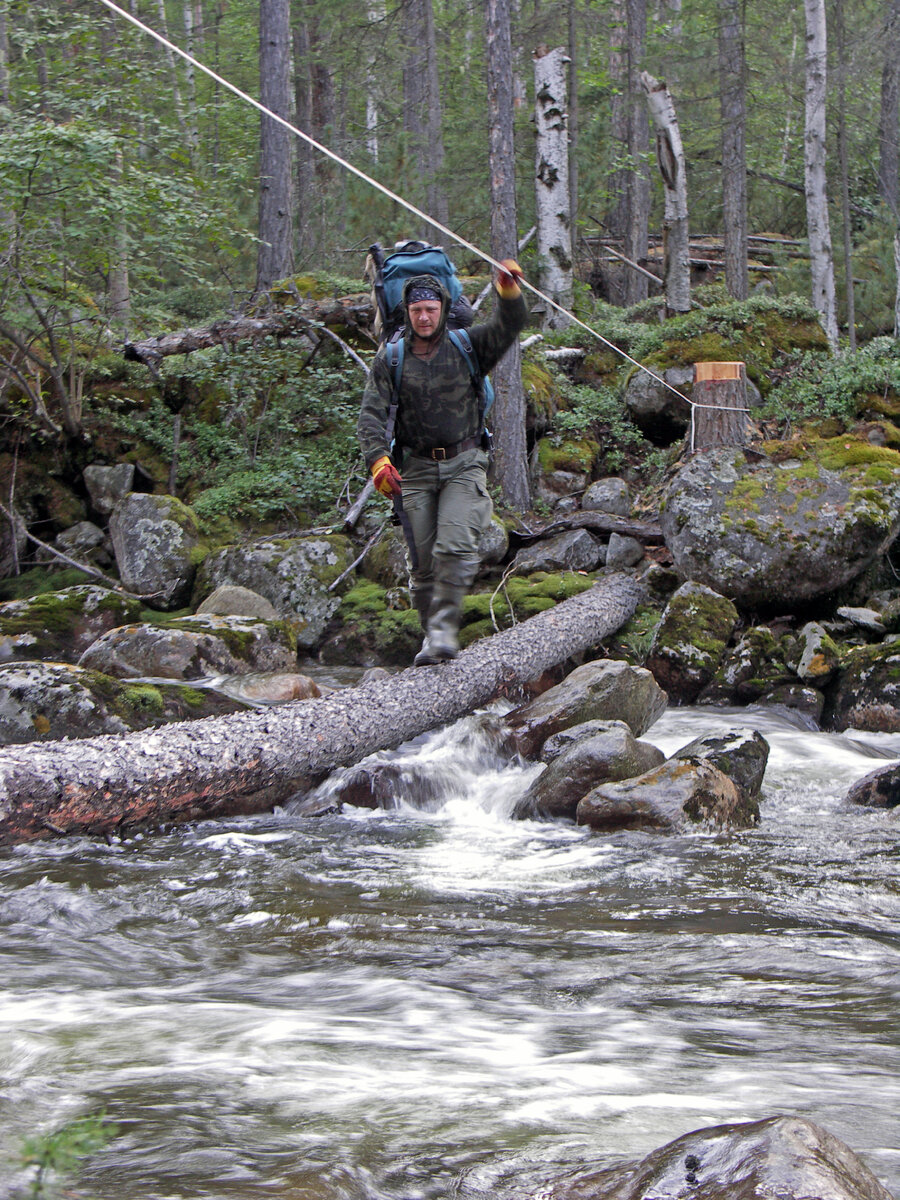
x: 690, y: 641
x: 61, y: 625
x: 154, y: 539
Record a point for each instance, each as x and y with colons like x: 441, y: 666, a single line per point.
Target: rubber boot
x: 452, y: 580
x: 421, y: 601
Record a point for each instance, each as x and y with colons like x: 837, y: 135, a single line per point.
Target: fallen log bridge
x: 249, y: 762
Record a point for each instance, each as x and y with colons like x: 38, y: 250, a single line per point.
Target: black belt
x: 442, y: 453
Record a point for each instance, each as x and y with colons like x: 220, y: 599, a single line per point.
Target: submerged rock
x: 606, y: 689
x: 783, y: 1157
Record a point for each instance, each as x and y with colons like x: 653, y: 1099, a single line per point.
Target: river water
x: 417, y: 1004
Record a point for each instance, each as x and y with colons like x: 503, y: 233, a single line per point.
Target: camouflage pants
x: 449, y: 509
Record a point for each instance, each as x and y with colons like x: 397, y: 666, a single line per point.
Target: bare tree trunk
x: 306, y: 169
x: 733, y: 104
x: 4, y: 52
x: 190, y: 45
x: 375, y: 15
x: 170, y: 59
x: 573, y: 124
x: 889, y: 122
x: 637, y: 230
x: 670, y: 156
x: 275, y: 257
x: 552, y: 199
x: 511, y: 465
x: 818, y: 224
x: 897, y: 293
x: 249, y: 762
x: 618, y: 77
x: 119, y: 288
x: 845, y: 174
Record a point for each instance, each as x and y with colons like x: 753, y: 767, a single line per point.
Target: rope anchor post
x: 719, y: 412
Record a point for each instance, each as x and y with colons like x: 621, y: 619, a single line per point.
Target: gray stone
x: 611, y: 752
x: 193, y: 648
x: 575, y: 550
x: 51, y: 701
x: 154, y: 539
x: 866, y: 693
x: 790, y: 1158
x: 741, y: 754
x: 623, y: 552
x: 292, y: 573
x: 235, y: 601
x: 608, y: 495
x: 606, y: 689
x: 61, y: 625
x: 494, y: 544
x: 865, y: 619
x: 878, y: 789
x: 658, y: 412
x: 690, y: 641
x: 819, y: 656
x: 767, y: 534
x: 671, y: 798
x: 107, y: 485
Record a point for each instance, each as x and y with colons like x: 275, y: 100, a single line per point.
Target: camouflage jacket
x: 438, y: 401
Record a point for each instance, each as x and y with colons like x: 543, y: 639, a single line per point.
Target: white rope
x: 348, y: 166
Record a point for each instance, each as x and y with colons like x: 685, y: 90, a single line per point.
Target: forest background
x: 131, y: 199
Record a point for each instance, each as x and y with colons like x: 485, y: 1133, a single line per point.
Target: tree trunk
x: 190, y: 45
x: 275, y: 257
x: 638, y: 195
x: 617, y: 65
x: 306, y: 168
x: 889, y: 122
x: 4, y: 52
x: 733, y: 106
x: 573, y: 124
x: 249, y: 762
x: 719, y: 405
x: 376, y: 15
x: 511, y: 465
x: 436, y: 193
x: 817, y: 221
x: 170, y: 59
x: 897, y: 275
x: 849, y: 295
x: 552, y: 199
x: 670, y: 156
x: 119, y: 288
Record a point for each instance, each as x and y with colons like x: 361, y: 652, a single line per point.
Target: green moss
x: 837, y: 454
x: 192, y: 697
x: 141, y: 698
x: 540, y: 387
x: 364, y: 599
x: 39, y: 580
x: 576, y: 455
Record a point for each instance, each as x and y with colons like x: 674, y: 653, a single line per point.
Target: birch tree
x: 670, y: 157
x: 817, y: 221
x: 275, y: 257
x: 638, y: 193
x: 511, y: 466
x: 889, y: 120
x: 552, y: 199
x: 733, y: 107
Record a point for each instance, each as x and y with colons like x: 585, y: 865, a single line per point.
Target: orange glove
x: 386, y: 477
x: 508, y: 279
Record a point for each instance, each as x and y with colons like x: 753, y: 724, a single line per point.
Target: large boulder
x: 193, y: 647
x: 785, y: 1157
x: 575, y: 550
x: 53, y: 701
x: 741, y: 754
x: 61, y: 625
x: 678, y: 795
x: 867, y: 692
x: 154, y: 539
x: 610, y: 752
x: 606, y: 689
x: 292, y: 573
x: 231, y: 600
x: 770, y: 535
x: 690, y: 641
x: 610, y: 495
x: 108, y: 484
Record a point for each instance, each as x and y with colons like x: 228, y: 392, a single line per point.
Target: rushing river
x: 448, y: 1003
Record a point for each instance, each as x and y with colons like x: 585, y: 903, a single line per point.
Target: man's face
x: 424, y: 316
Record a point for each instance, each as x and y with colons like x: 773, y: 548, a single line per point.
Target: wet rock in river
x: 671, y: 798
x: 690, y: 641
x: 609, y: 752
x: 741, y: 754
x: 878, y: 789
x: 785, y: 1157
x: 867, y: 692
x: 605, y: 689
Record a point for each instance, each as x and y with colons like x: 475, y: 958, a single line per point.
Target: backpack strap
x: 461, y: 340
x: 393, y: 355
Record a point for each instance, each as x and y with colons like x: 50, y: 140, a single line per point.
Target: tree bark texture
x: 817, y: 220
x: 552, y: 199
x: 248, y: 762
x: 275, y: 257
x: 511, y: 464
x: 843, y: 162
x: 719, y: 405
x: 733, y: 107
x: 897, y: 293
x: 889, y: 122
x: 636, y: 234
x: 670, y: 157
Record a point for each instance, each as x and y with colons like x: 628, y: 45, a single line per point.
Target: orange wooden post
x: 719, y: 413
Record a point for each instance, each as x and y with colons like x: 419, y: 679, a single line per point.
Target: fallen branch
x: 648, y: 532
x: 249, y: 762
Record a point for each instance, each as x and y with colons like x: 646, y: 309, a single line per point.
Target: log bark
x: 552, y: 199
x: 350, y: 312
x: 249, y: 762
x: 648, y: 532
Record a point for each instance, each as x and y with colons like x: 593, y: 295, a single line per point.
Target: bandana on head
x: 422, y: 292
